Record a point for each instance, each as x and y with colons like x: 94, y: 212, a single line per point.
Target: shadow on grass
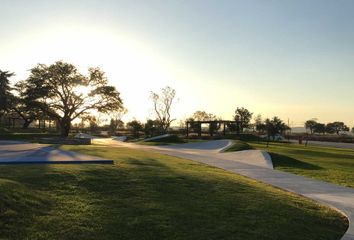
x: 285, y: 161
x: 239, y: 146
x: 152, y: 197
x: 153, y: 200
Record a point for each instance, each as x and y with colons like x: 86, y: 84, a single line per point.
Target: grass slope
x: 328, y: 164
x: 152, y: 196
x: 239, y: 146
x: 170, y: 140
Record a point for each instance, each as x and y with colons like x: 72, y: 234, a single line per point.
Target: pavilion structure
x: 196, y: 126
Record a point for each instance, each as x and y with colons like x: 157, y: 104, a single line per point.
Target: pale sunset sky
x: 293, y: 59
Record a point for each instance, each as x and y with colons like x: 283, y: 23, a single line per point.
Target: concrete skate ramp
x: 217, y: 145
x: 30, y: 153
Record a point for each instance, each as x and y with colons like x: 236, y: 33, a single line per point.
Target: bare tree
x: 162, y: 106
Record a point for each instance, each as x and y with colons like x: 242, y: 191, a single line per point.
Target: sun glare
x: 132, y: 66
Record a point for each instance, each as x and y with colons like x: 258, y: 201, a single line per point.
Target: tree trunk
x: 65, y: 125
x: 27, y: 123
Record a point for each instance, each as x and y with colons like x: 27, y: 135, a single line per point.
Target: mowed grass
x: 146, y: 195
x: 328, y: 164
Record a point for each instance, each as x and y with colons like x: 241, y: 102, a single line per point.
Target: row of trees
x: 242, y: 120
x: 321, y: 128
x: 150, y: 128
x: 60, y: 93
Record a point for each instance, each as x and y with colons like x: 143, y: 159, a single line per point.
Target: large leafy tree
x: 64, y: 94
x: 135, y: 126
x: 204, y: 116
x: 151, y: 127
x: 243, y: 118
x: 5, y: 91
x: 336, y: 127
x: 22, y: 106
x: 259, y: 124
x: 319, y: 128
x: 310, y: 124
x: 114, y: 125
x: 275, y: 126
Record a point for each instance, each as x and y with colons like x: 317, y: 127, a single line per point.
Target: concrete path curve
x: 257, y: 165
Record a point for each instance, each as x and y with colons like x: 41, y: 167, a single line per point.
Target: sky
x: 292, y: 59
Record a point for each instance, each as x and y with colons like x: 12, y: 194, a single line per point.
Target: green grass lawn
x: 328, y: 164
x: 146, y: 195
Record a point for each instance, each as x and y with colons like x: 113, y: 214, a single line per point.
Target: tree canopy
x: 319, y: 128
x: 5, y: 90
x: 64, y: 94
x: 310, y: 124
x: 243, y: 118
x: 203, y: 116
x: 336, y: 127
x: 135, y: 126
x: 259, y: 124
x: 275, y: 126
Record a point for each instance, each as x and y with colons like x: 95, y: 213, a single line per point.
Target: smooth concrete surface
x: 13, y: 152
x: 255, y: 164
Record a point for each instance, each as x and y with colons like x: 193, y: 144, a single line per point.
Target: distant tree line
x: 331, y: 128
x: 271, y: 127
x: 60, y: 93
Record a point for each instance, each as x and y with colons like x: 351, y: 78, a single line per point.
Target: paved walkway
x: 12, y: 152
x: 255, y: 164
